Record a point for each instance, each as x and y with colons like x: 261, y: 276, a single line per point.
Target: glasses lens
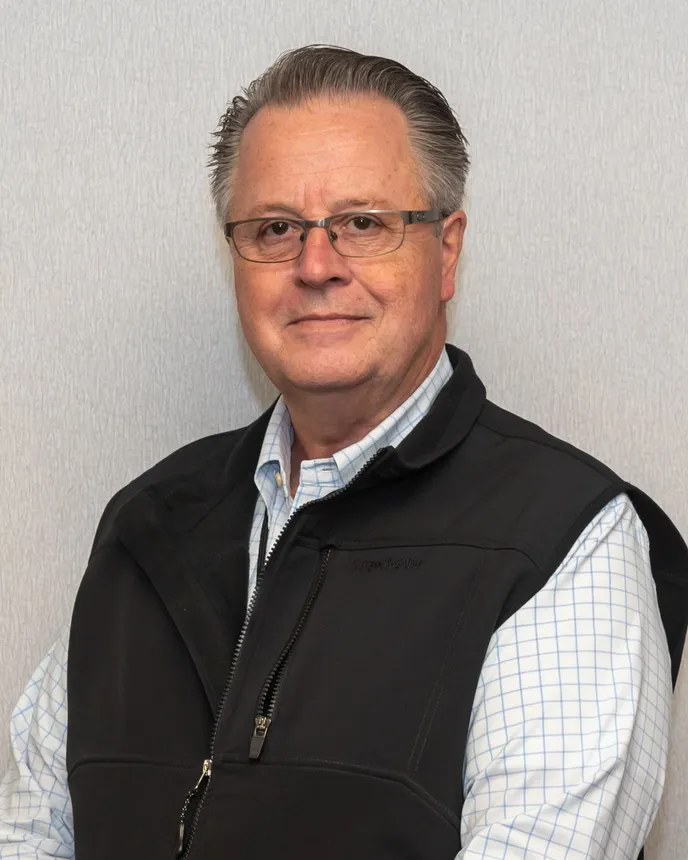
x: 353, y: 234
x: 363, y: 234
x: 268, y: 240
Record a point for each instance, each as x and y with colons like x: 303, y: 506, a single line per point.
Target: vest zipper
x: 271, y: 689
x: 183, y: 850
x: 204, y: 777
x: 206, y: 772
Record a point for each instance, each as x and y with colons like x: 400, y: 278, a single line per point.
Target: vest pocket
x: 319, y: 810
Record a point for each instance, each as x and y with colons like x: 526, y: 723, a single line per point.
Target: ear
x: 452, y: 242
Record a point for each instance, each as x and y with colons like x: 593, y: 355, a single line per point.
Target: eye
x: 276, y: 228
x: 362, y: 223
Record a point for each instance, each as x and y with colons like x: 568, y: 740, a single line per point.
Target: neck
x: 326, y: 422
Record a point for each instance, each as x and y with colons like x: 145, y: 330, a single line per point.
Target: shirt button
x: 278, y: 479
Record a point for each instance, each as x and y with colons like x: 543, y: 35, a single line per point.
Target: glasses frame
x: 408, y: 216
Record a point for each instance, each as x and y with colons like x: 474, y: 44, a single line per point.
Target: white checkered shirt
x: 567, y: 744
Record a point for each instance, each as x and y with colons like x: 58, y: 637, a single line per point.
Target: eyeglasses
x: 352, y: 234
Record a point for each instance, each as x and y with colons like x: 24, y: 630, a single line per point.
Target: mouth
x: 326, y: 318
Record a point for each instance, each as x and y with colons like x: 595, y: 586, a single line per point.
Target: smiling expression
x: 324, y: 322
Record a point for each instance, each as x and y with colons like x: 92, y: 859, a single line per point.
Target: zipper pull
x: 205, y: 774
x: 262, y: 724
x: 207, y: 770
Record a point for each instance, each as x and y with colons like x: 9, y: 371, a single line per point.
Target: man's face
x: 324, y: 322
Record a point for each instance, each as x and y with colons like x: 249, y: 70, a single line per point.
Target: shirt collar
x: 275, y: 454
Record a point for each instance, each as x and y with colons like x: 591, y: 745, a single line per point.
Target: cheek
x: 422, y: 288
x: 407, y: 291
x: 384, y: 282
x: 257, y: 298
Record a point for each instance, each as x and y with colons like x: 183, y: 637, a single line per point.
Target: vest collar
x: 189, y: 498
x: 449, y: 420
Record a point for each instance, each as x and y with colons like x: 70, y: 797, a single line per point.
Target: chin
x: 318, y: 375
x: 317, y: 364
x: 325, y: 382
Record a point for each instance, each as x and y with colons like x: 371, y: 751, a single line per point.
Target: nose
x: 319, y: 264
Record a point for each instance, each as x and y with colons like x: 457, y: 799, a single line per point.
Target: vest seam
x: 317, y: 764
x: 127, y: 761
x: 315, y: 543
x: 574, y: 454
x: 571, y: 535
x: 438, y: 687
x: 669, y: 575
x: 353, y: 544
x: 391, y: 776
x: 113, y: 541
x: 567, y: 541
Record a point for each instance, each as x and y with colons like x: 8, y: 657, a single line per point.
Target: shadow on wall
x: 259, y: 385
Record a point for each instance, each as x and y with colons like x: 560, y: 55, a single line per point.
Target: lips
x: 326, y: 318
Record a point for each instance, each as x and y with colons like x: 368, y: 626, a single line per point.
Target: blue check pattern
x: 567, y: 745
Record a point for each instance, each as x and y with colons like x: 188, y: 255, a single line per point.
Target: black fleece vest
x: 336, y: 719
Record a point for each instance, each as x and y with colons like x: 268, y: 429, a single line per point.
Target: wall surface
x: 118, y: 336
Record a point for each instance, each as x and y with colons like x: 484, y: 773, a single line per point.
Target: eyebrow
x: 262, y: 209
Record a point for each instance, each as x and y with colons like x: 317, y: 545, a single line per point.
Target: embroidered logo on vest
x: 389, y: 563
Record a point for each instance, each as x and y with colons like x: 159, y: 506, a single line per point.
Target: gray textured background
x: 118, y: 337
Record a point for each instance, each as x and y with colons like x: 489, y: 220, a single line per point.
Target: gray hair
x: 317, y: 70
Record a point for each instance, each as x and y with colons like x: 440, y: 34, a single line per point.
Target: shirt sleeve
x: 35, y: 807
x: 567, y: 746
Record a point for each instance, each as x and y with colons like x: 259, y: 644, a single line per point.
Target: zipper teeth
x: 244, y: 629
x: 225, y: 690
x: 259, y: 580
x: 242, y: 636
x: 301, y: 624
x: 278, y: 670
x: 277, y: 667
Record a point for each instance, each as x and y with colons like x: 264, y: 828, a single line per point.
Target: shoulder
x: 185, y: 465
x: 543, y: 491
x: 537, y: 445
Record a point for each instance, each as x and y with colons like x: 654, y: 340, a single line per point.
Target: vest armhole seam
x: 564, y: 447
x: 582, y: 521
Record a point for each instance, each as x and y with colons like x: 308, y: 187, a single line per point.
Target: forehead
x: 314, y: 153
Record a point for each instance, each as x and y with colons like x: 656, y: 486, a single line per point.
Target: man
x: 388, y: 619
